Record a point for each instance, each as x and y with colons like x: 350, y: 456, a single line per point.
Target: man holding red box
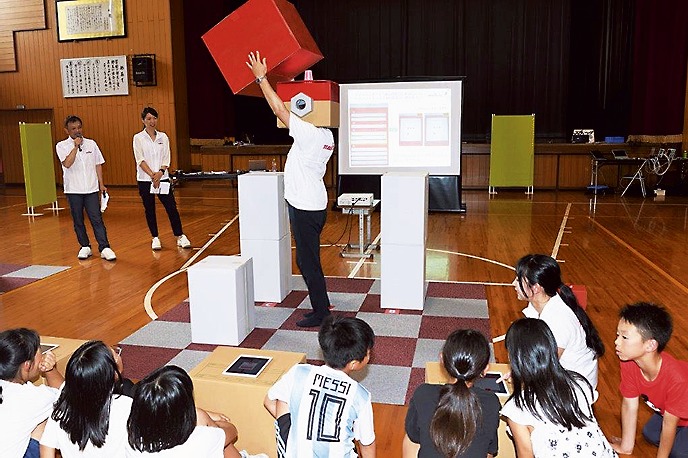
x: 304, y: 191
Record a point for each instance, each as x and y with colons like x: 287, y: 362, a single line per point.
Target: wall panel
x: 111, y: 121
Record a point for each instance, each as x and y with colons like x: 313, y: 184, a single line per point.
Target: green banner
x: 39, y: 171
x: 512, y: 151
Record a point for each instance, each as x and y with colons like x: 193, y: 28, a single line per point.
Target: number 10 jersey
x: 328, y: 411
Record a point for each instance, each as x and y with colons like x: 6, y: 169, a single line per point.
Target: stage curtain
x: 513, y: 53
x: 659, y: 68
x: 571, y: 62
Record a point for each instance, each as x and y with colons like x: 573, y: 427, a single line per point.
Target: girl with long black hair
x: 550, y: 410
x: 538, y: 281
x: 164, y: 421
x: 24, y: 407
x: 457, y: 419
x: 89, y: 419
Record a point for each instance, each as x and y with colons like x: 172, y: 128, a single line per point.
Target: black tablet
x: 489, y: 383
x: 247, y: 365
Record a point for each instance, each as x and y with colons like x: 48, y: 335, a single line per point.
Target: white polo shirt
x: 306, y: 165
x: 569, y: 335
x: 156, y: 153
x: 81, y: 177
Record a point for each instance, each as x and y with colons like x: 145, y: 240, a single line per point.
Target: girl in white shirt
x: 165, y: 422
x: 24, y: 407
x: 550, y: 411
x: 89, y: 420
x: 538, y: 281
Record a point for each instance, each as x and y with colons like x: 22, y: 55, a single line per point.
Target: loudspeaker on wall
x: 143, y: 68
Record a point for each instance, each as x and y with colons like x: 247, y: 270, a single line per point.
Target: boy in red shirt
x: 646, y: 371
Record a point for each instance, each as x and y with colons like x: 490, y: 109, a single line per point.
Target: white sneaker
x: 183, y: 242
x: 108, y: 254
x: 156, y: 245
x: 84, y: 252
x: 245, y: 454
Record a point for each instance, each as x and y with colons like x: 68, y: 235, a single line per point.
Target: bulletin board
x: 512, y: 151
x: 94, y: 76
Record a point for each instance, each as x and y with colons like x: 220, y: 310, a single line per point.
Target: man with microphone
x: 83, y: 184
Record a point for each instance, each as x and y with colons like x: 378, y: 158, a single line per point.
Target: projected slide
x: 368, y: 135
x: 400, y: 126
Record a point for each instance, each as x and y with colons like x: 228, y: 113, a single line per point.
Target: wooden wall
x: 17, y: 15
x: 557, y: 165
x: 111, y: 121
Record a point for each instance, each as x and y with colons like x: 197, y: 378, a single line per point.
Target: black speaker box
x: 144, y: 69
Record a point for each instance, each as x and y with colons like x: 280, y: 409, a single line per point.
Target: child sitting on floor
x: 89, y: 418
x: 458, y: 419
x: 647, y: 371
x: 164, y: 421
x: 24, y: 407
x: 324, y: 409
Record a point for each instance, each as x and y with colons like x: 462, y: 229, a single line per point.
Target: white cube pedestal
x: 403, y: 224
x: 221, y: 300
x: 264, y: 233
x: 263, y: 213
x: 402, y: 276
x: 272, y: 282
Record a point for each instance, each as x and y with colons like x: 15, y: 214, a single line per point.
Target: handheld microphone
x: 80, y: 136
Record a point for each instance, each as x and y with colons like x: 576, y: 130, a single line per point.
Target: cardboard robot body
x: 272, y: 27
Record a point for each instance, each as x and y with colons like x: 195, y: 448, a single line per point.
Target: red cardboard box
x: 321, y: 99
x: 272, y: 27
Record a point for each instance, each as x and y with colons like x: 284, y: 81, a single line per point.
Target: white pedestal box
x: 402, y: 276
x: 272, y: 282
x: 404, y: 217
x: 403, y: 224
x: 264, y: 233
x: 221, y: 300
x: 263, y: 213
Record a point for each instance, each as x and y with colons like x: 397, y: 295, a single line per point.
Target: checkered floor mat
x: 14, y: 275
x: 405, y: 340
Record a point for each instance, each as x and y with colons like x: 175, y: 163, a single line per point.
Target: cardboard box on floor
x: 272, y: 27
x: 241, y: 398
x: 62, y: 353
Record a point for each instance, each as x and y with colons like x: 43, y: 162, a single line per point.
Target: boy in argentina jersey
x: 328, y: 409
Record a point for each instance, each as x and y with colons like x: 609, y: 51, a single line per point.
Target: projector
x: 355, y: 200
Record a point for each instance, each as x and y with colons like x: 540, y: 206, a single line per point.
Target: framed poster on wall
x: 94, y: 76
x: 90, y: 19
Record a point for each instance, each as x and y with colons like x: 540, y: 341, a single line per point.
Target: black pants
x: 306, y: 227
x: 91, y: 203
x: 168, y: 202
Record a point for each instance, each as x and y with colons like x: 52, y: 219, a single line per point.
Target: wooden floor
x: 622, y: 250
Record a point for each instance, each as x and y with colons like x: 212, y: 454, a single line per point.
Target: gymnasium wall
x: 113, y: 120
